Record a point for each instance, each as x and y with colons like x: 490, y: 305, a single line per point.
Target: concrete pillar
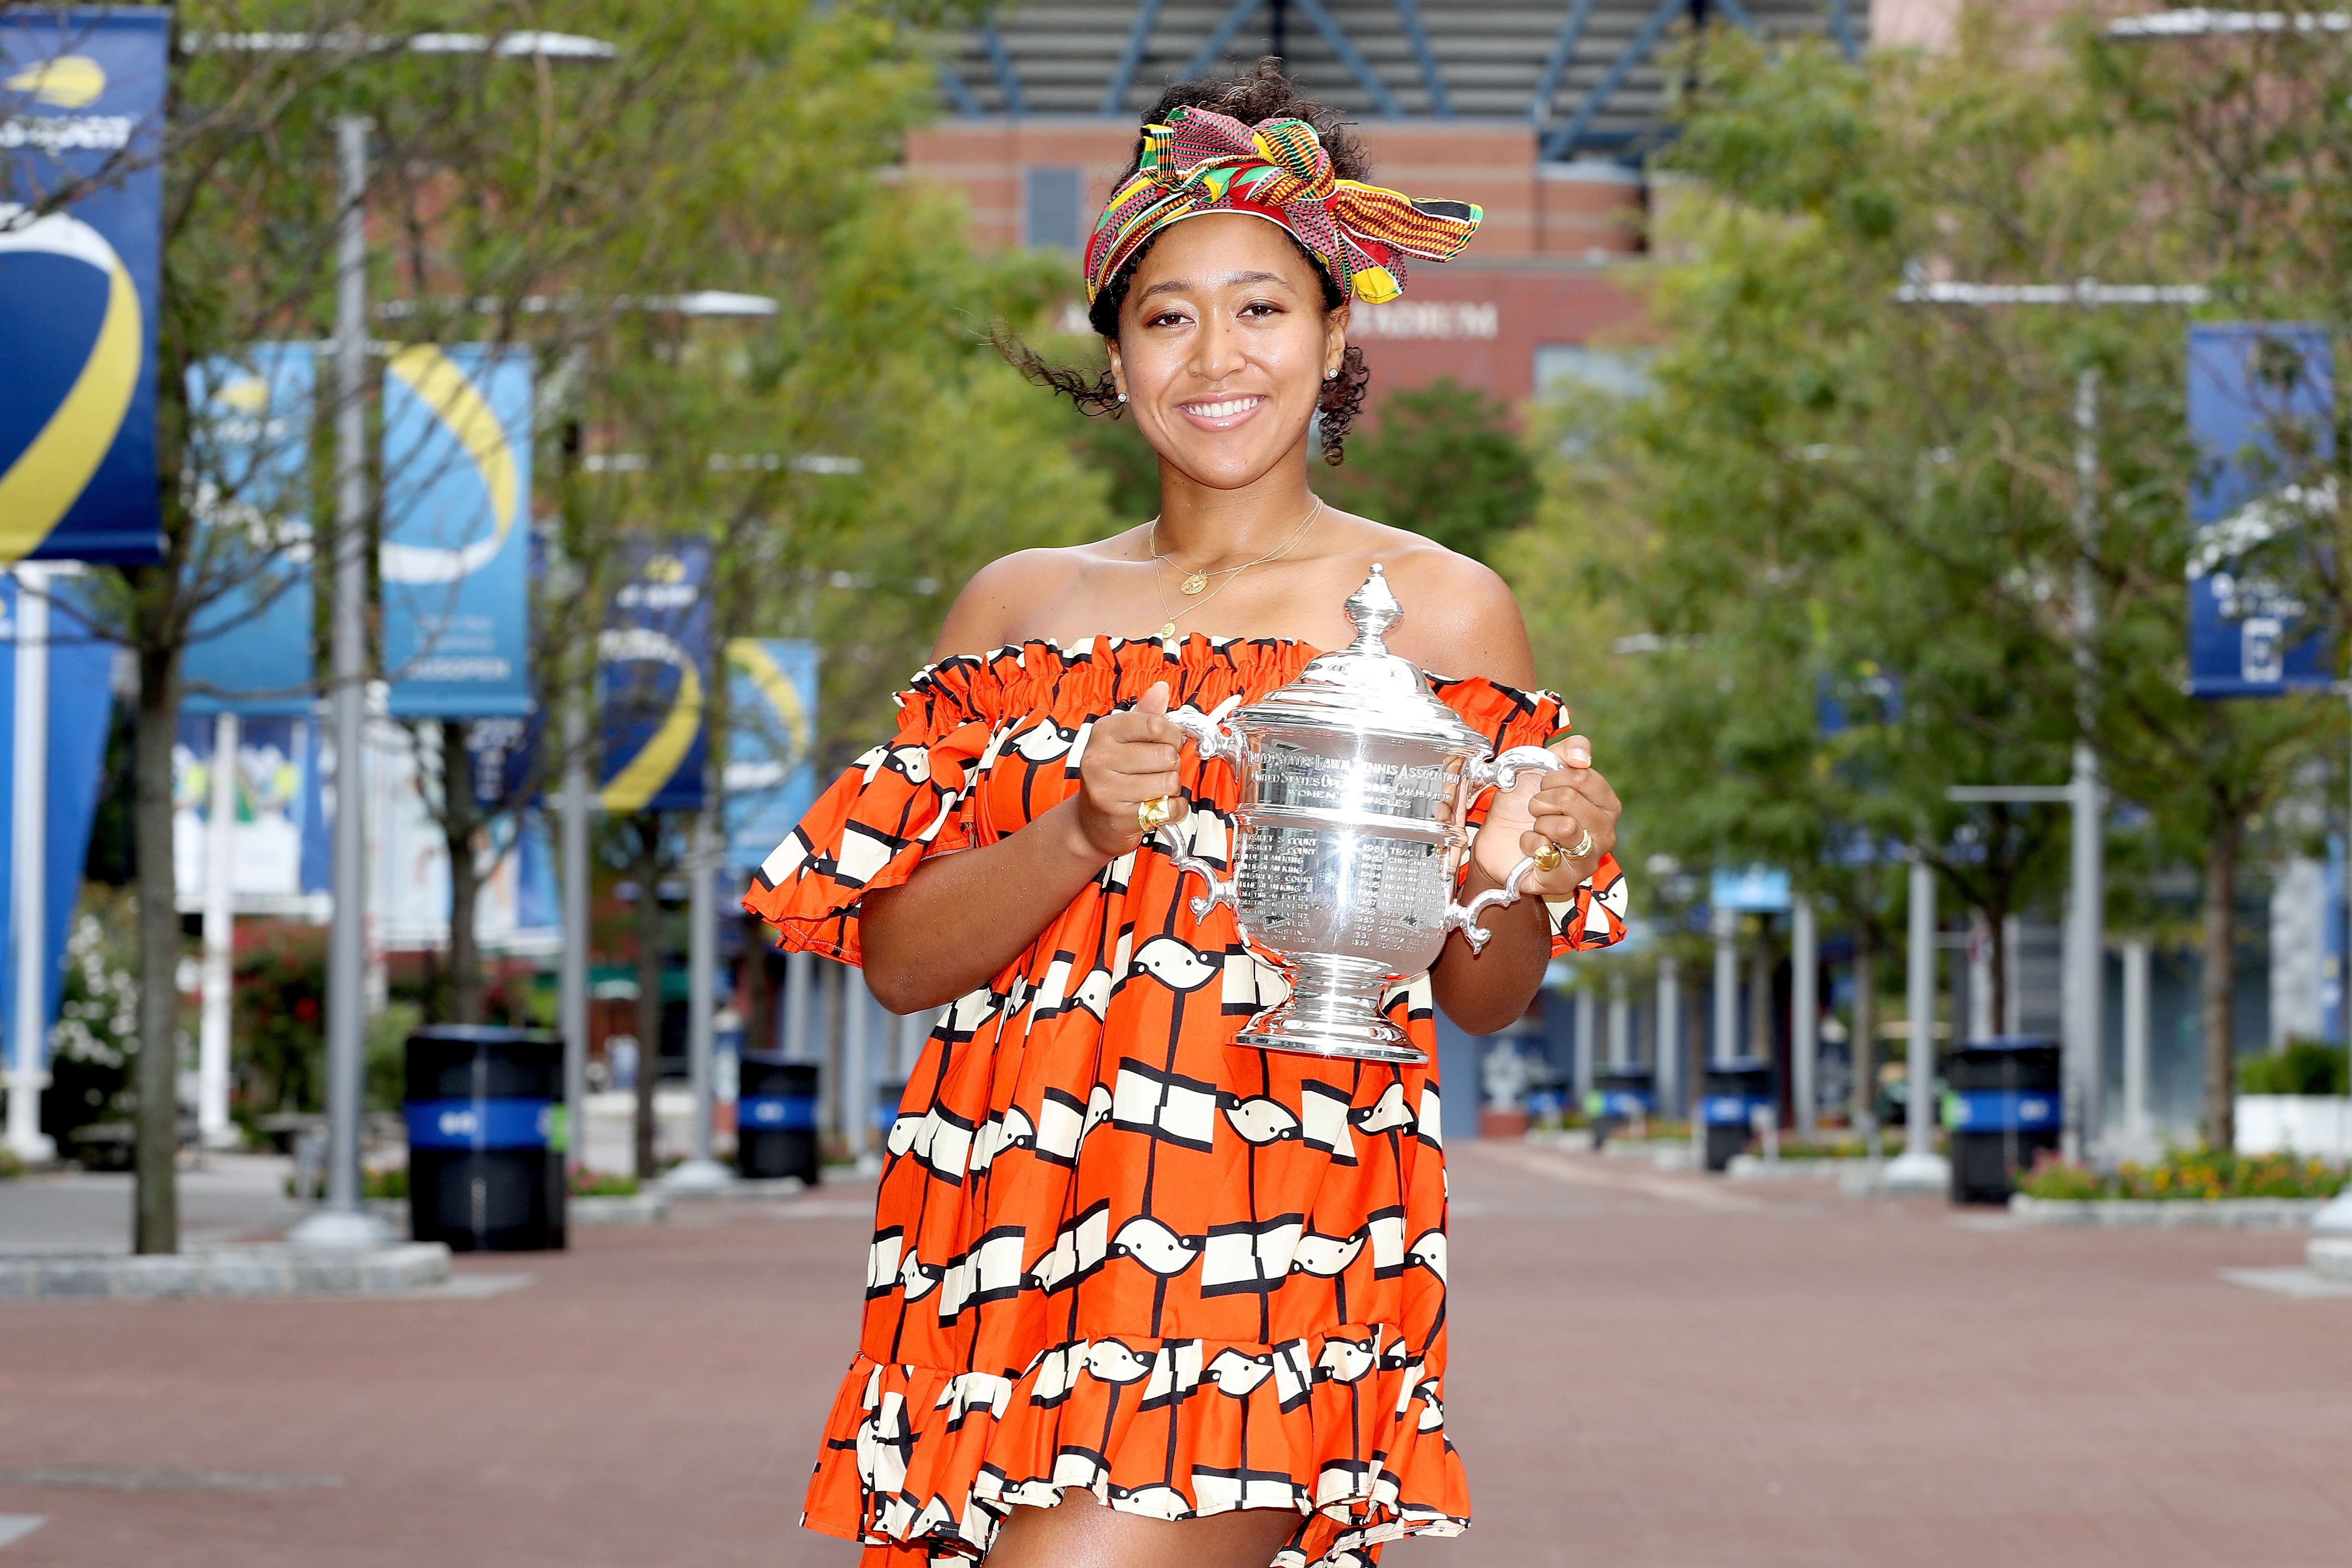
x: 2138, y: 1132
x: 1804, y: 1011
x: 799, y: 998
x: 1588, y: 1040
x: 213, y: 1128
x: 1666, y: 1052
x: 1919, y: 1166
x: 1620, y: 1022
x: 1725, y: 1044
x: 1981, y: 1019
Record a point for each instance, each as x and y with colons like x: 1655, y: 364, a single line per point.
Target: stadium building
x: 1543, y: 113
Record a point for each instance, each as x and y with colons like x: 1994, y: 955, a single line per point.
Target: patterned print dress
x: 1113, y: 1251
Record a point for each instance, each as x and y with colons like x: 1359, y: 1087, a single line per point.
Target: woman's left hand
x: 1559, y: 807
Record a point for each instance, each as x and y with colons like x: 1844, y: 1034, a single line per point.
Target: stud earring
x: 1331, y: 375
x: 1122, y: 397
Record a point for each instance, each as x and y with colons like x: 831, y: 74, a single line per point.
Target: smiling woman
x: 1139, y: 1294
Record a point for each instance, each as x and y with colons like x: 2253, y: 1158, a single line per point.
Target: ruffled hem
x: 1346, y: 1428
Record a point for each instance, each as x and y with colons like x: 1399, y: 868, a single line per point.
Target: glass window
x: 1576, y: 367
x: 1050, y: 208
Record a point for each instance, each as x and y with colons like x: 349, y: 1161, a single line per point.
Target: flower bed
x: 2187, y: 1176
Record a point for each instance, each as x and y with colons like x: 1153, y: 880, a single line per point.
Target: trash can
x: 2004, y: 1104
x: 1733, y: 1093
x: 486, y: 1138
x: 775, y: 1120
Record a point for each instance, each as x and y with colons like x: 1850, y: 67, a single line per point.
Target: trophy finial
x: 1374, y: 609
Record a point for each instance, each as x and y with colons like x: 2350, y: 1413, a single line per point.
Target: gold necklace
x: 1230, y: 573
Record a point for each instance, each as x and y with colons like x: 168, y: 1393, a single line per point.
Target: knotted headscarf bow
x: 1203, y: 162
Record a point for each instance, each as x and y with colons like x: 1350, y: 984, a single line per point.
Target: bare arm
x: 962, y: 917
x: 1478, y: 623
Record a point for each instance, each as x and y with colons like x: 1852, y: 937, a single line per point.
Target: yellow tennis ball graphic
x: 41, y: 486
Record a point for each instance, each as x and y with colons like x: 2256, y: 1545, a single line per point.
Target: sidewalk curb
x: 1755, y: 1167
x: 2159, y: 1213
x: 228, y: 1271
x: 2330, y: 1257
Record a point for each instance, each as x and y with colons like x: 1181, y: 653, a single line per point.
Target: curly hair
x: 1261, y: 93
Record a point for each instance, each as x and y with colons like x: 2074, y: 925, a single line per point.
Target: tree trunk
x: 155, y: 1220
x: 649, y: 973
x: 2218, y: 988
x: 1865, y: 1021
x: 460, y: 823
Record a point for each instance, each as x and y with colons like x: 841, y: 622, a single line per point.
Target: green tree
x: 1443, y: 461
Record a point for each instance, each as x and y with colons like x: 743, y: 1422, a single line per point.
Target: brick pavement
x: 1648, y: 1373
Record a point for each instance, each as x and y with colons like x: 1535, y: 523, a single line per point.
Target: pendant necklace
x: 1195, y: 584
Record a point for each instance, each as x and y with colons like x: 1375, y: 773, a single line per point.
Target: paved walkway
x: 1649, y: 1373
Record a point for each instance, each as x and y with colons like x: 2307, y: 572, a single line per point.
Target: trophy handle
x: 1209, y: 730
x: 1214, y: 740
x: 1504, y: 770
x: 1465, y: 917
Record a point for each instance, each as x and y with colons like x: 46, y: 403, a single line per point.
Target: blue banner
x: 248, y: 460
x: 81, y: 706
x: 2261, y: 408
x: 489, y: 1124
x: 655, y: 658
x: 771, y: 743
x: 280, y: 850
x: 1732, y: 1110
x: 81, y: 110
x: 1757, y: 889
x: 504, y: 751
x: 457, y: 531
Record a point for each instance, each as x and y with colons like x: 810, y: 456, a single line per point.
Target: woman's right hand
x: 1131, y: 758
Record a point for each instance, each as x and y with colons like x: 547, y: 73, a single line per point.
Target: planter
x: 2146, y: 1213
x: 1755, y: 1167
x: 2330, y: 1257
x: 1502, y: 1122
x: 2295, y: 1123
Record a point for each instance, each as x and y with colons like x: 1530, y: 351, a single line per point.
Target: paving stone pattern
x: 1651, y: 1370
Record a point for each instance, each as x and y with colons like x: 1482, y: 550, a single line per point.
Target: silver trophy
x: 1354, y: 783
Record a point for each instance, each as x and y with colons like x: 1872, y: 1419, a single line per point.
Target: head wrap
x: 1203, y: 162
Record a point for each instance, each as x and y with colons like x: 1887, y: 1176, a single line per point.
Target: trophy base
x: 1332, y: 1011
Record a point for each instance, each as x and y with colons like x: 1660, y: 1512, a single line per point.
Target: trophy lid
x: 1363, y: 687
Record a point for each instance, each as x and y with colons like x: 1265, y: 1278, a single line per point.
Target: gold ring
x: 1549, y: 856
x: 1582, y: 847
x: 1152, y: 815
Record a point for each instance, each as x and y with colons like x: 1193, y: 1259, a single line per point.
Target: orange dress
x: 1112, y: 1250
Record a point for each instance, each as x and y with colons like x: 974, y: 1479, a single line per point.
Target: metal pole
x: 1726, y: 1045
x: 1804, y: 1010
x: 1667, y: 1055
x: 571, y: 998
x: 1980, y: 1020
x: 1919, y: 1166
x: 2137, y: 1128
x: 28, y: 851
x: 700, y: 1169
x: 344, y: 1222
x: 2086, y: 932
x: 220, y: 940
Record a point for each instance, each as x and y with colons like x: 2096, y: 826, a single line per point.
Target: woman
x: 1138, y: 1295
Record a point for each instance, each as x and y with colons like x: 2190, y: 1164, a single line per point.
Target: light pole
x: 2085, y: 941
x: 1919, y: 1167
x: 344, y: 1221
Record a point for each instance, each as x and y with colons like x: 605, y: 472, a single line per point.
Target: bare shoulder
x: 987, y: 614
x: 1462, y: 618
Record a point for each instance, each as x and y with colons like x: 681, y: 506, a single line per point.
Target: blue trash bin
x: 775, y: 1120
x: 1733, y: 1091
x: 486, y: 1138
x: 2004, y: 1104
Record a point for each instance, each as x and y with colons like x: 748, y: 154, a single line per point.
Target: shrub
x: 2304, y: 1067
x: 599, y: 1184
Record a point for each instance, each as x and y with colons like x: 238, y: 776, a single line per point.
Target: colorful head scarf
x: 1203, y: 162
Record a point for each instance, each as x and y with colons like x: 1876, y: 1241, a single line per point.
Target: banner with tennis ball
x: 456, y: 555
x: 81, y: 182
x: 655, y: 653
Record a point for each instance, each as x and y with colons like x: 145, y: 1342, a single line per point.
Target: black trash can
x: 1734, y: 1093
x: 775, y: 1120
x: 486, y: 1138
x: 2004, y: 1104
